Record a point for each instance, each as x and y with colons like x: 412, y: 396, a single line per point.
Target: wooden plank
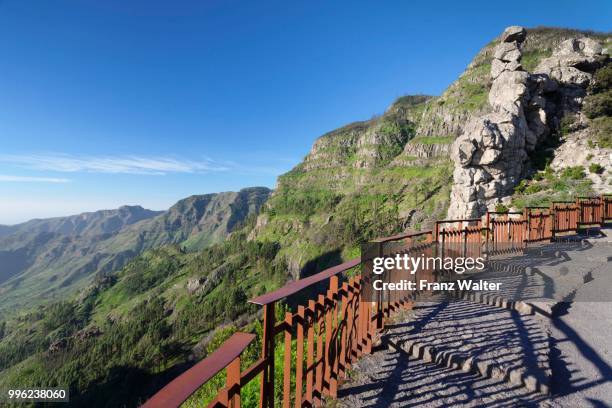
x: 299, y: 364
x: 232, y: 382
x: 287, y: 361
x: 320, y: 359
x: 333, y: 349
x: 310, y: 352
x: 342, y: 324
x: 267, y: 376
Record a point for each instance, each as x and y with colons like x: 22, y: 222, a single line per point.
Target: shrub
x: 566, y: 124
x: 603, y: 131
x: 573, y: 173
x: 596, y: 168
x: 598, y: 105
x: 501, y: 208
x: 559, y: 185
x: 520, y: 188
x: 589, y: 156
x: 549, y: 173
x: 602, y: 80
x: 533, y: 188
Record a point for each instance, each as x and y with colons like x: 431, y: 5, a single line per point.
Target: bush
x: 501, y: 208
x: 602, y: 80
x: 566, y: 124
x: 596, y: 168
x: 573, y: 173
x: 520, y: 188
x: 559, y: 185
x: 533, y: 188
x: 603, y: 131
x: 598, y: 105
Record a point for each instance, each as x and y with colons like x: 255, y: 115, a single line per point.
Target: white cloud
x: 25, y: 179
x: 108, y: 164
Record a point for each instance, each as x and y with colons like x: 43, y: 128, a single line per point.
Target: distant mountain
x: 5, y: 230
x: 89, y: 223
x: 42, y: 260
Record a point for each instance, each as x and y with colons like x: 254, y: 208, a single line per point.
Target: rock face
x: 491, y: 156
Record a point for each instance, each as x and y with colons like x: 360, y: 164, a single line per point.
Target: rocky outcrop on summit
x: 491, y: 156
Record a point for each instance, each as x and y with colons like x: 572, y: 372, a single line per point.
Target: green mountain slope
x: 43, y: 260
x: 130, y: 331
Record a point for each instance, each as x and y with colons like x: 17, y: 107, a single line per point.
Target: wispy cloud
x: 109, y: 164
x: 24, y: 179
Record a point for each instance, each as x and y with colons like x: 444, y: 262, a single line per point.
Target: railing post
x: 333, y: 354
x: 379, y: 297
x: 267, y: 376
x: 232, y: 383
x: 436, y: 232
x: 553, y: 221
x: 287, y: 361
x: 487, y: 232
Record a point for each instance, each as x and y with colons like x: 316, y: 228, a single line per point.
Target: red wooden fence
x: 330, y: 332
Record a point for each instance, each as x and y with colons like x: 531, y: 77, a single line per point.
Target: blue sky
x: 112, y: 102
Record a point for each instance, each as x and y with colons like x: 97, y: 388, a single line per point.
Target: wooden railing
x: 327, y: 333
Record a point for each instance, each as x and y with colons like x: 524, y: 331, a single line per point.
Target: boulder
x: 508, y: 52
x: 508, y: 90
x: 514, y: 33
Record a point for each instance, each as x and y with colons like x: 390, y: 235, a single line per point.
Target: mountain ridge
x: 43, y: 259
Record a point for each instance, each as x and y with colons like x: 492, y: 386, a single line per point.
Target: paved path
x: 581, y: 339
x: 573, y: 345
x: 392, y: 379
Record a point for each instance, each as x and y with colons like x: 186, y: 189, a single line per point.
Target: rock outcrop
x: 491, y: 156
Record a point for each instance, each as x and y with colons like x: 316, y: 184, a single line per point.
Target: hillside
x: 42, y: 260
x: 129, y: 331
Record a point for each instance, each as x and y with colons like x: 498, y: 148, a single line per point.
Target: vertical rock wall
x: 491, y: 156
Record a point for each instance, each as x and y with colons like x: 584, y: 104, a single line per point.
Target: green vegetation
x: 596, y: 168
x: 532, y: 58
x: 431, y: 140
x: 547, y: 186
x: 598, y: 106
x: 573, y: 173
x: 501, y: 208
x: 566, y: 124
x: 109, y: 344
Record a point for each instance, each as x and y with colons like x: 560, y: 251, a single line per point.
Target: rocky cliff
x: 492, y: 155
x: 394, y: 172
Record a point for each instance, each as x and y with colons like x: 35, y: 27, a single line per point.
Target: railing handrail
x: 298, y: 285
x: 182, y: 387
x: 404, y: 235
x: 458, y: 220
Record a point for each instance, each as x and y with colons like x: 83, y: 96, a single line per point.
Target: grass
x: 531, y: 59
x: 433, y: 140
x: 547, y: 186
